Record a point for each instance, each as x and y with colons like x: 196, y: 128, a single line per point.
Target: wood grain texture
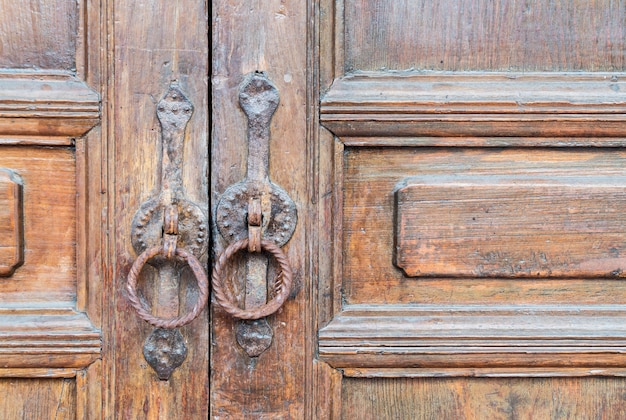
x: 484, y: 35
x: 586, y: 106
x: 47, y: 337
x: 269, y: 36
x: 38, y: 398
x: 45, y: 104
x: 155, y: 44
x: 330, y: 227
x: 92, y: 226
x: 327, y: 391
x: 38, y: 34
x: 94, y: 266
x: 38, y: 373
x: 11, y: 222
x: 439, y: 337
x: 89, y: 392
x: 49, y: 320
x: 483, y: 398
x: 49, y: 270
x: 483, y: 372
x: 370, y: 176
x: 510, y: 226
x: 399, y: 77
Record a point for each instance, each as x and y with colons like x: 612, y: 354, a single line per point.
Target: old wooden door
x: 80, y: 151
x: 459, y: 175
x: 470, y: 175
x: 470, y: 238
x: 457, y: 169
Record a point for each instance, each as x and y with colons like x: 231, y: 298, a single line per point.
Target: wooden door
x: 80, y: 151
x: 458, y: 169
x: 473, y: 209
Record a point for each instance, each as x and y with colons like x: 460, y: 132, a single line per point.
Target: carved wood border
x: 45, y: 108
x: 47, y: 338
x: 448, y: 337
x: 477, y: 110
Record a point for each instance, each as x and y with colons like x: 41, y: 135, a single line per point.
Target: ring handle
x: 283, y: 286
x: 144, y: 312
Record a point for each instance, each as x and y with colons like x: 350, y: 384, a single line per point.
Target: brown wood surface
x: 396, y: 95
x: 38, y: 398
x: 372, y: 174
x: 50, y: 307
x: 49, y: 270
x: 480, y: 35
x: 465, y: 338
x: 155, y: 44
x: 577, y: 108
x: 78, y: 124
x: 482, y: 398
x: 269, y: 37
x: 39, y: 34
x: 43, y: 336
x: 45, y: 104
x: 510, y: 226
x: 11, y: 222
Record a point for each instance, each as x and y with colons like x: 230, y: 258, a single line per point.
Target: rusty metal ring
x: 225, y: 299
x: 144, y: 312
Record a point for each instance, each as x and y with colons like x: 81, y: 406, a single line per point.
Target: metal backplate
x: 165, y: 350
x: 278, y: 209
x: 147, y: 227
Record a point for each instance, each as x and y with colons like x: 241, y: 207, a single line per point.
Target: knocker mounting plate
x: 258, y: 216
x: 278, y: 210
x: 169, y: 231
x: 147, y: 230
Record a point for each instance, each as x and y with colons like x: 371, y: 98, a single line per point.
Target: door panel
x: 38, y: 398
x: 512, y: 226
x: 478, y: 35
x: 156, y: 44
x: 371, y: 177
x: 467, y: 206
x: 484, y: 398
x: 398, y: 125
x: 39, y: 35
x: 49, y: 238
x: 269, y: 37
x: 49, y: 323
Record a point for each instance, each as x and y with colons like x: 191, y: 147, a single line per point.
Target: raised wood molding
x: 45, y: 105
x: 488, y: 372
x: 47, y: 338
x: 11, y: 222
x: 38, y: 372
x: 532, y: 226
x: 519, y: 338
x: 419, y: 105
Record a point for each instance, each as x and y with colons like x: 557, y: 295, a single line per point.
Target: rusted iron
x: 254, y: 225
x: 282, y: 284
x: 169, y: 231
x: 173, y: 112
x: 254, y: 336
x: 144, y: 312
x: 165, y: 350
x: 258, y: 99
x: 259, y: 213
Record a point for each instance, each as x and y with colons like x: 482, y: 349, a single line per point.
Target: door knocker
x: 257, y: 216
